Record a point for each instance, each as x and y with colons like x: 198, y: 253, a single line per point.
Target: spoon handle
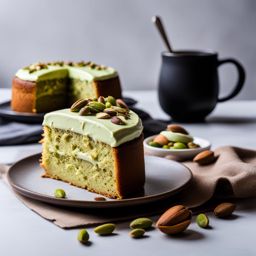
x: 160, y: 27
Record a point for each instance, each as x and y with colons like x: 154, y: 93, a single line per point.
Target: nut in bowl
x: 175, y: 144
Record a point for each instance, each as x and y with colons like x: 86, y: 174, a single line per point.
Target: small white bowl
x: 176, y: 154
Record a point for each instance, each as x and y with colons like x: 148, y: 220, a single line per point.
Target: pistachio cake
x: 96, y: 145
x: 44, y: 87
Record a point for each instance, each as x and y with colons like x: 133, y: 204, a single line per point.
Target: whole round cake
x: 44, y: 87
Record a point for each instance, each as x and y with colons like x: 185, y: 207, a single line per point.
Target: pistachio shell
x: 117, y: 120
x: 102, y: 115
x: 84, y: 111
x: 78, y: 105
x: 101, y: 99
x: 110, y: 111
x: 119, y: 109
x: 121, y: 103
x: 105, y: 229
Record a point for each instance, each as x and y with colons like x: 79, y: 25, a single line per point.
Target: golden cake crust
x: 130, y: 167
x: 108, y: 87
x: 23, y: 95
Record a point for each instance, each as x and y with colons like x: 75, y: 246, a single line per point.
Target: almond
x: 224, y: 210
x: 175, y: 229
x: 204, y: 157
x: 174, y: 220
x: 177, y: 128
x: 161, y: 139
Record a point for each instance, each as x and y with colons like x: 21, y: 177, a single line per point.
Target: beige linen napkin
x: 232, y: 175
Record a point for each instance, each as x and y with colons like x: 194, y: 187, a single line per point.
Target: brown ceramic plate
x: 8, y: 113
x: 164, y: 178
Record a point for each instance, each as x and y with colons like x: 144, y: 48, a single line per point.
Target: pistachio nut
x: 83, y: 236
x: 93, y: 110
x: 177, y: 137
x: 110, y: 111
x: 202, y: 220
x: 160, y: 139
x: 175, y: 220
x: 59, y: 193
x: 117, y: 120
x: 97, y: 105
x: 108, y: 104
x: 105, y: 229
x: 111, y: 100
x: 193, y: 145
x: 144, y: 223
x: 121, y: 103
x: 170, y: 144
x: 84, y: 111
x: 205, y: 157
x: 154, y: 144
x: 119, y: 109
x: 179, y: 145
x: 224, y: 210
x: 137, y: 233
x: 101, y: 99
x: 103, y: 115
x: 78, y: 105
x: 177, y: 128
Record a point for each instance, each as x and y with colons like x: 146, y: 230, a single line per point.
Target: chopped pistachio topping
x: 38, y: 66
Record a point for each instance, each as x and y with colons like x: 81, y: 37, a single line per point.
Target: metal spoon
x: 160, y: 27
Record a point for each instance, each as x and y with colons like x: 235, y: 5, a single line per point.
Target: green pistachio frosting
x: 88, y: 72
x: 102, y: 130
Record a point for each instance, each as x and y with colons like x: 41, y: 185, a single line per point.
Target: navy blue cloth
x: 14, y: 133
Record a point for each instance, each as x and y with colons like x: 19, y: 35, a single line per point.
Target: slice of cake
x: 96, y: 145
x: 45, y: 87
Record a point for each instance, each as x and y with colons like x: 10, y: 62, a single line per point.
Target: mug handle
x: 241, y: 78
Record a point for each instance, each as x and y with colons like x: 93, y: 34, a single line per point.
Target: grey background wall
x: 119, y: 33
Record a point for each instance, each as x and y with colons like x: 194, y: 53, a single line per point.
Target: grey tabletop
x: 22, y: 232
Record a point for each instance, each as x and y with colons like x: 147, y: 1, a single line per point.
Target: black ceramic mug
x: 189, y: 84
